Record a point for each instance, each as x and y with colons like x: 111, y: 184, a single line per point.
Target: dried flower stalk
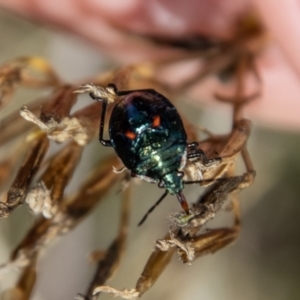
x: 44, y: 191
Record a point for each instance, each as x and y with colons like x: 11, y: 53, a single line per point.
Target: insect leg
x: 194, y: 152
x: 123, y: 93
x: 105, y: 96
x: 106, y: 143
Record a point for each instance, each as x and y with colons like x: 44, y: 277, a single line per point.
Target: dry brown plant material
x: 40, y: 181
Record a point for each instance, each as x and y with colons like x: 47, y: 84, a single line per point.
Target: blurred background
x: 264, y: 263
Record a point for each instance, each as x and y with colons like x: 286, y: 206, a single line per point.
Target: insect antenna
x: 152, y: 208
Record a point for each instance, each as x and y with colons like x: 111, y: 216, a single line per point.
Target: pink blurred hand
x: 100, y: 20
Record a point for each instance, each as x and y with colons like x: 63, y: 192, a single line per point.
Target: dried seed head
x: 99, y: 93
x: 29, y: 116
x: 125, y: 293
x: 69, y: 127
x: 39, y: 200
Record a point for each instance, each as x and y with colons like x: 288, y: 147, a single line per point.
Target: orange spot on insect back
x: 156, y: 121
x: 131, y: 135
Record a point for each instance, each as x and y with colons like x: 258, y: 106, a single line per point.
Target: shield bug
x: 148, y: 135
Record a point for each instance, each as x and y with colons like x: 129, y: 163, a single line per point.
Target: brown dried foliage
x: 40, y: 182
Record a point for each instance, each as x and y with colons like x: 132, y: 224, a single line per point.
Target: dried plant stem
x: 75, y: 208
